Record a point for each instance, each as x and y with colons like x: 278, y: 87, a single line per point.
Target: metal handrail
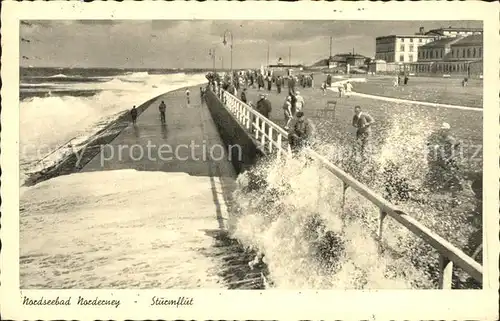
x: 448, y: 253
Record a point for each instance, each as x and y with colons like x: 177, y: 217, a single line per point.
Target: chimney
x: 421, y: 30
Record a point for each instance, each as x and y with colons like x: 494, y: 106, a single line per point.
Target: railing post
x: 257, y: 127
x: 344, y: 189
x: 279, y: 145
x: 270, y: 139
x: 445, y: 272
x: 380, y: 223
x: 248, y: 120
x: 263, y: 129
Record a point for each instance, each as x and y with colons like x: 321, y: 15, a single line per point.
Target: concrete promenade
x: 186, y: 126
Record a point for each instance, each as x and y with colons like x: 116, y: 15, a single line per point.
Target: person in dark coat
x: 278, y: 84
x: 244, y: 95
x: 133, y: 114
x: 264, y: 106
x: 269, y: 83
x: 301, y: 134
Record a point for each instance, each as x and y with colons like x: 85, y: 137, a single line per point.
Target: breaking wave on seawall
x: 293, y: 216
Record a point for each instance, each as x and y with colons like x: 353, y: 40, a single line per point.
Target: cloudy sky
x: 184, y: 44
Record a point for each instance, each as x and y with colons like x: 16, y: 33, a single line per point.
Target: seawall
x: 233, y: 134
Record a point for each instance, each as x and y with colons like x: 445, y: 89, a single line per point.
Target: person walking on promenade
x: 291, y: 86
x: 287, y: 110
x: 187, y: 97
x: 162, y: 109
x: 362, y: 121
x: 302, y: 133
x: 244, y: 95
x: 278, y: 84
x: 299, y: 105
x: 269, y: 83
x: 406, y: 80
x: 133, y: 114
x: 348, y: 89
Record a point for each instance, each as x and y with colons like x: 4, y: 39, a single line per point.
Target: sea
x: 108, y: 229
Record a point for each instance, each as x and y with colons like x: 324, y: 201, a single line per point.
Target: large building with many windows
x: 457, y: 55
x: 400, y: 48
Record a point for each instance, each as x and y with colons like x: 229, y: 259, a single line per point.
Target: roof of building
x: 405, y: 36
x: 470, y: 41
x: 440, y: 30
x: 441, y: 43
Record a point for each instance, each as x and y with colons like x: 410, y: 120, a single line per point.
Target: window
x: 411, y: 39
x: 410, y: 57
x: 480, y: 52
x: 463, y: 53
x: 402, y: 48
x: 411, y: 47
x: 401, y: 57
x: 426, y: 55
x: 474, y: 52
x: 432, y: 55
x: 452, y: 53
x: 442, y: 53
x: 420, y: 40
x: 468, y: 52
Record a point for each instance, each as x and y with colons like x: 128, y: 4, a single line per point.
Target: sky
x: 186, y: 43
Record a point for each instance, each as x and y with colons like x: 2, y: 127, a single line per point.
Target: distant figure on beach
x: 302, y: 133
x: 133, y: 114
x: 287, y: 111
x: 299, y: 105
x: 162, y: 109
x: 187, y: 97
x: 362, y: 121
x: 264, y: 106
x: 348, y: 89
x: 244, y: 95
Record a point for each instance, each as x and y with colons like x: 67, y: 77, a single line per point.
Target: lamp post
x: 211, y: 52
x: 224, y: 41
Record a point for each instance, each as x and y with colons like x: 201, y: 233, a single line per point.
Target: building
x: 454, y: 32
x: 400, y: 48
x: 342, y: 60
x: 452, y: 56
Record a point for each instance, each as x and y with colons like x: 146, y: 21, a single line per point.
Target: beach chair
x: 329, y: 111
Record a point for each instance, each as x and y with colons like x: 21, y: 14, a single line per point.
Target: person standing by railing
x: 362, y: 121
x: 264, y: 106
x: 244, y: 95
x: 302, y: 133
x: 287, y: 110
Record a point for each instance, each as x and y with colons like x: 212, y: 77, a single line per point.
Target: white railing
x: 269, y: 136
x: 274, y: 139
